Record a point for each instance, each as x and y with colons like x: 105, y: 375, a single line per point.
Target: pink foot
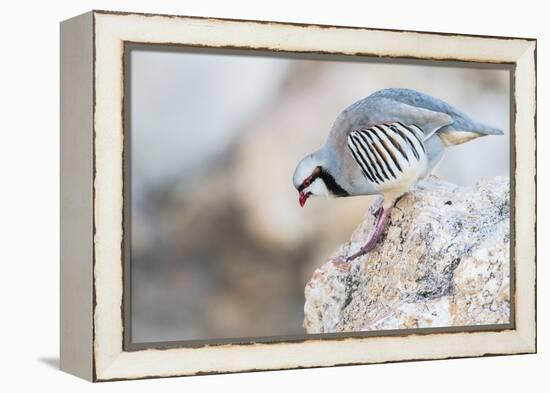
x: 381, y: 220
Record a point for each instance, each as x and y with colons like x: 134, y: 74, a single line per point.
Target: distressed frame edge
x: 526, y: 180
x: 528, y: 340
x: 76, y: 196
x: 304, y: 24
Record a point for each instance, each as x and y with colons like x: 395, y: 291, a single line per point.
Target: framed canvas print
x: 244, y: 195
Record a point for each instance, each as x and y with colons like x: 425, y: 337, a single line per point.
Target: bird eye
x: 307, y: 182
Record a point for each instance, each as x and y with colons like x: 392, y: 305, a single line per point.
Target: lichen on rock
x: 443, y: 260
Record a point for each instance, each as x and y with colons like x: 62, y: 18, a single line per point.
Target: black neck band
x: 331, y: 184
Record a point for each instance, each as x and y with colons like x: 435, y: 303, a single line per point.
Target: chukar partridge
x: 383, y: 144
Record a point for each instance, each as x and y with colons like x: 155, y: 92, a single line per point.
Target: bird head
x: 309, y: 178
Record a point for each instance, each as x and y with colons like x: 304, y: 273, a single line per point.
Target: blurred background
x: 219, y: 245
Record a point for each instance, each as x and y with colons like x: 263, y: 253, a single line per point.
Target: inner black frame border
x: 126, y: 308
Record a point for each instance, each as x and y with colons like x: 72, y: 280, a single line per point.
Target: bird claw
x: 340, y: 262
x: 360, y: 253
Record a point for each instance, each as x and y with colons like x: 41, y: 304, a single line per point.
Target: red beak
x: 303, y: 198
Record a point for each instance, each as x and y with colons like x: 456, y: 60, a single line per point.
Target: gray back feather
x: 432, y: 115
x: 461, y: 121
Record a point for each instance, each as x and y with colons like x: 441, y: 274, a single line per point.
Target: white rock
x: 444, y: 260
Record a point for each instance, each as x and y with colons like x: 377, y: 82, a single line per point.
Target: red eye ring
x: 307, y: 182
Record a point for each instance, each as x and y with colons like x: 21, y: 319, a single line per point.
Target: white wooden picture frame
x: 92, y: 195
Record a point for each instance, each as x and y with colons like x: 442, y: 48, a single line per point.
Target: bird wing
x: 409, y: 103
x: 429, y: 121
x: 389, y: 154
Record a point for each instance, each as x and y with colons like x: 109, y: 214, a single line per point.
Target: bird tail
x: 451, y: 136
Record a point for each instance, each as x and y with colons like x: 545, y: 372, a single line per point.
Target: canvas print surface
x: 277, y: 195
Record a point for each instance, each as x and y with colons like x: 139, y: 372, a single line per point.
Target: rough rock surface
x: 444, y: 260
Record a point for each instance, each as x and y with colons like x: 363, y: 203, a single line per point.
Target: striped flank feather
x: 388, y: 153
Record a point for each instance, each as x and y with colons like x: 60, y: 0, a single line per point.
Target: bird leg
x: 381, y: 221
